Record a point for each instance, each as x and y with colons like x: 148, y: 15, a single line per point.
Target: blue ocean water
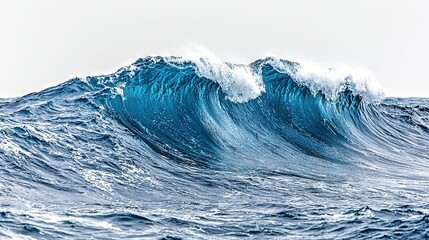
x: 170, y: 148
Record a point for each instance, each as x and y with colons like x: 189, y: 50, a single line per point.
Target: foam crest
x: 333, y: 80
x: 239, y: 82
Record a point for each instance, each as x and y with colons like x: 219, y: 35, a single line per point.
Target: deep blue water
x: 178, y: 149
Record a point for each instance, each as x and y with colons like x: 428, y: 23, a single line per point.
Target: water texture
x: 170, y: 148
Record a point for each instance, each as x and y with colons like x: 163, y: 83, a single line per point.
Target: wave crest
x: 331, y: 81
x: 239, y: 82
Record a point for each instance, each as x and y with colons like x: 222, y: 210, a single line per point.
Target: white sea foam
x: 239, y: 82
x: 99, y: 179
x: 332, y: 80
x: 9, y: 147
x: 11, y: 235
x: 56, y: 218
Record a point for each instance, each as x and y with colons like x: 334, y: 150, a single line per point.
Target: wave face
x: 177, y: 148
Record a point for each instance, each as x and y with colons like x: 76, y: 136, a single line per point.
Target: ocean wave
x: 200, y: 148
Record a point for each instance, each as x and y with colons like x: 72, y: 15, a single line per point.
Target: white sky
x: 46, y: 42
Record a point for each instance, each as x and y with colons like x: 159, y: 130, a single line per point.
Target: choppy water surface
x: 173, y: 148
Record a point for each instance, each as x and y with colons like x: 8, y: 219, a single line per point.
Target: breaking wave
x: 171, y: 147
